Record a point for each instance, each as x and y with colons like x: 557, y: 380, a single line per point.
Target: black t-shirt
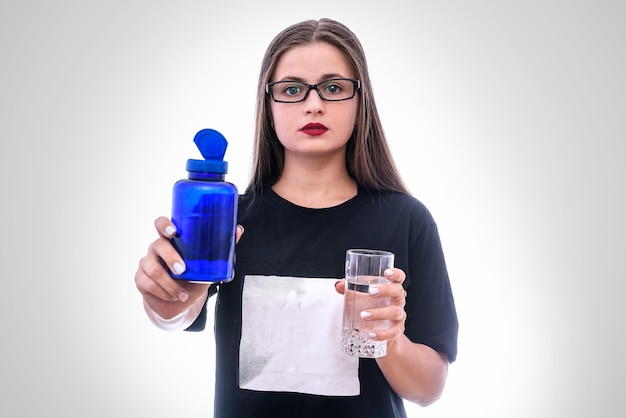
x: 300, y: 250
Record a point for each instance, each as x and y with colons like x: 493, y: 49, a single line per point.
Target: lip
x: 314, y: 129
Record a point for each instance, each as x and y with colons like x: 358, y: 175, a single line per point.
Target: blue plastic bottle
x: 204, y: 211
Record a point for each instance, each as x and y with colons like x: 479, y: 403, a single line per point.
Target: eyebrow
x: 323, y: 78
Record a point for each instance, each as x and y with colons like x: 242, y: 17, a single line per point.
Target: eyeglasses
x: 333, y: 90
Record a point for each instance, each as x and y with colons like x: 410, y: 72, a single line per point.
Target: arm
x: 416, y: 372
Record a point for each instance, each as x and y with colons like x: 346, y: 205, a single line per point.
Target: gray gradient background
x: 507, y: 121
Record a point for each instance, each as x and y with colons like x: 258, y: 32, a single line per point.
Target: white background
x: 507, y: 120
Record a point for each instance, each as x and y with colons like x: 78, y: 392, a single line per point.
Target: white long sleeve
x: 180, y: 321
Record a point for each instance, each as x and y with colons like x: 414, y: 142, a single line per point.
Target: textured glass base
x: 358, y: 344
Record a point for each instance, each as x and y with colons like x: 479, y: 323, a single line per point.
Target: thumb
x: 238, y: 233
x: 340, y: 286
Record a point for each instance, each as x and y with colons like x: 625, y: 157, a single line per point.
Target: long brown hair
x: 368, y: 157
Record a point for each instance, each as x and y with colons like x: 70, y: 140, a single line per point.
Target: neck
x: 315, y: 184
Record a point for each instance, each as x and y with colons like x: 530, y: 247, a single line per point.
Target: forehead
x: 312, y: 63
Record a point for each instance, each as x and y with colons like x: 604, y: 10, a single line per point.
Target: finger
x: 392, y: 313
x: 387, y: 334
x: 395, y: 291
x: 149, y: 287
x: 153, y: 278
x: 340, y: 286
x: 163, y: 250
x: 399, y: 295
x: 395, y: 275
x: 165, y: 227
x: 161, y: 262
x: 396, y: 317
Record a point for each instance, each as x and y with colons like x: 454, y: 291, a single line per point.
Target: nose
x: 314, y: 103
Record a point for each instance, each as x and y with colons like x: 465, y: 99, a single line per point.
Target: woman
x: 323, y: 181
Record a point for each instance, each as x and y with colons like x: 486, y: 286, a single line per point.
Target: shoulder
x: 404, y: 211
x: 394, y: 201
x: 251, y: 199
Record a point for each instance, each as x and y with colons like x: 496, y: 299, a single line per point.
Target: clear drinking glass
x: 364, y: 268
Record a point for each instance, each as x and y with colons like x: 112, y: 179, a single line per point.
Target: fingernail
x: 365, y: 315
x: 170, y: 230
x: 373, y: 291
x: 183, y: 296
x: 240, y: 228
x: 372, y: 335
x: 388, y: 272
x: 179, y: 268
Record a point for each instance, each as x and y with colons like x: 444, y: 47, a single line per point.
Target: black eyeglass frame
x: 309, y: 87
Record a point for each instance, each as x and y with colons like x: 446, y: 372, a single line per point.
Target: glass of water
x: 364, y: 268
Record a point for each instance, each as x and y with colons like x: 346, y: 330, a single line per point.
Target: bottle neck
x: 197, y: 175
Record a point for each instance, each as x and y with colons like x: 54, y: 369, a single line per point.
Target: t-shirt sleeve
x: 431, y: 313
x: 200, y: 322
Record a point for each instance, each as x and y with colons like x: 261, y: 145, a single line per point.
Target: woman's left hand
x: 395, y: 312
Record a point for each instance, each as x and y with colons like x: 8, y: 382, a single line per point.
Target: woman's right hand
x: 163, y: 294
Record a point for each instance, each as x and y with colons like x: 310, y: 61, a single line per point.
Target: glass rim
x: 368, y: 252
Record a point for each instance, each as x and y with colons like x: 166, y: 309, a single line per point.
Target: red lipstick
x: 314, y: 129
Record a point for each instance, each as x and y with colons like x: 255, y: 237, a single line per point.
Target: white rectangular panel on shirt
x: 291, y: 338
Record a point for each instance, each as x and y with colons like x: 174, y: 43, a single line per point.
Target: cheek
x: 350, y: 122
x: 284, y: 123
x: 278, y: 118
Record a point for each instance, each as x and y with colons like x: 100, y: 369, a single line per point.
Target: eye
x: 292, y: 89
x: 333, y: 87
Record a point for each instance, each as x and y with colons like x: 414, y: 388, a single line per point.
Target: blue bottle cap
x: 212, y: 146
